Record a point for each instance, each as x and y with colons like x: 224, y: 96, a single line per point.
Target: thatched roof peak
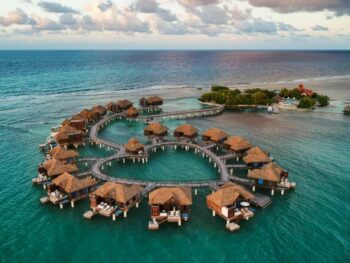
x: 56, y: 167
x: 61, y: 153
x: 156, y: 128
x: 119, y: 192
x: 228, y: 194
x: 237, y: 143
x: 71, y: 184
x: 160, y: 196
x: 187, y: 130
x: 270, y: 172
x: 133, y: 145
x: 215, y: 134
x: 256, y: 155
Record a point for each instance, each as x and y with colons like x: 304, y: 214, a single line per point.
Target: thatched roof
x: 154, y: 99
x: 156, y: 128
x: 99, y: 109
x: 60, y: 153
x: 215, y: 134
x: 256, y: 155
x: 55, y: 167
x: 160, y: 196
x: 119, y: 192
x: 71, y: 184
x: 133, y: 145
x: 124, y: 103
x: 187, y: 130
x: 228, y: 194
x: 65, y: 131
x: 132, y: 111
x: 237, y: 143
x: 270, y: 172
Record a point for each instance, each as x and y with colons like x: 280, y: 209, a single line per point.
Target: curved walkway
x: 98, y: 163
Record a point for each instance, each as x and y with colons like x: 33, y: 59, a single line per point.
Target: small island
x: 286, y: 98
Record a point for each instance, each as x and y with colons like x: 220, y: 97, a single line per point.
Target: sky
x: 175, y: 24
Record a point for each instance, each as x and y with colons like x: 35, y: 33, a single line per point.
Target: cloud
x: 104, y: 6
x: 195, y: 3
x: 47, y: 24
x: 339, y: 7
x: 286, y: 27
x: 213, y: 14
x: 174, y: 28
x: 16, y: 17
x: 319, y: 28
x: 52, y: 7
x: 257, y: 25
x: 152, y: 7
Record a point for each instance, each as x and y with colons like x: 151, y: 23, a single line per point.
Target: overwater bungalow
x: 169, y: 204
x: 68, y: 135
x: 112, y: 107
x: 214, y: 135
x: 113, y: 199
x: 151, y: 101
x: 237, y: 145
x: 132, y: 112
x: 134, y: 147
x: 256, y: 158
x: 123, y: 105
x: 84, y: 115
x: 67, y: 188
x: 77, y: 124
x: 156, y: 129
x: 99, y: 110
x: 62, y: 154
x: 231, y: 202
x: 271, y: 177
x: 55, y: 167
x: 185, y: 131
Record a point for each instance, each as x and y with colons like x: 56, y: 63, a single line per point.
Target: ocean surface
x: 38, y: 89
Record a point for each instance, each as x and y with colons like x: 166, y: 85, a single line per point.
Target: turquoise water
x: 310, y: 224
x: 164, y: 165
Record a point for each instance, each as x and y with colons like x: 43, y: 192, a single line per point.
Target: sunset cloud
x: 225, y: 20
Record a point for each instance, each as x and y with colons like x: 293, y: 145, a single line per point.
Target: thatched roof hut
x: 237, y: 144
x: 99, y: 109
x: 124, y: 104
x: 185, y: 130
x: 56, y: 167
x: 228, y: 194
x: 215, y: 135
x: 151, y: 101
x: 269, y: 172
x: 78, y: 124
x: 132, y: 112
x: 69, y: 135
x: 179, y: 195
x: 256, y: 155
x: 60, y: 153
x: 156, y: 129
x: 71, y: 184
x: 119, y: 192
x: 134, y: 146
x: 111, y: 106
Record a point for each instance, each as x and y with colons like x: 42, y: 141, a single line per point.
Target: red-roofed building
x: 305, y: 92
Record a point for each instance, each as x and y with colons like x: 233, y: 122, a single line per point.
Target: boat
x: 347, y: 110
x: 272, y: 109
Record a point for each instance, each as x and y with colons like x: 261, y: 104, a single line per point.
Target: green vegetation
x: 305, y: 101
x: 224, y: 95
x: 234, y: 97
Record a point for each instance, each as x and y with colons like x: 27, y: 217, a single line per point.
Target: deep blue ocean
x: 38, y: 89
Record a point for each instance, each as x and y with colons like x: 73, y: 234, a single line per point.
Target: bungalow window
x: 260, y: 181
